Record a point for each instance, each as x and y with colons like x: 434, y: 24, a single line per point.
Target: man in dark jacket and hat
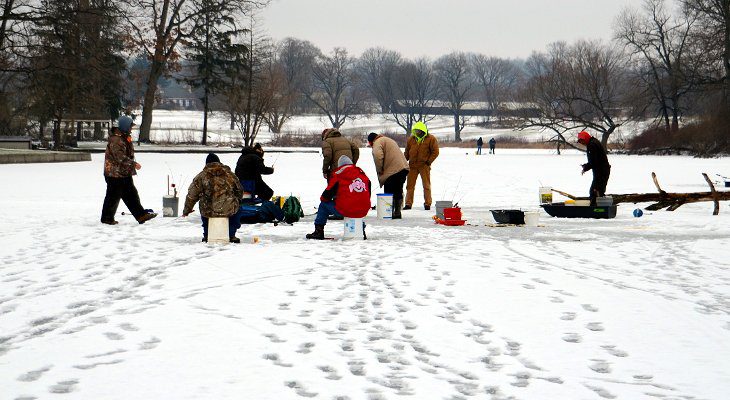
x: 219, y: 192
x: 598, y: 163
x: 249, y: 168
x: 119, y: 167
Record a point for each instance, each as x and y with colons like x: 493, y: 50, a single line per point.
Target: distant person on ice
x: 219, y: 192
x: 598, y: 162
x: 421, y: 151
x: 249, y: 168
x: 391, y: 166
x: 480, y: 142
x: 119, y: 167
x: 347, y: 194
x: 334, y: 145
x: 492, y: 145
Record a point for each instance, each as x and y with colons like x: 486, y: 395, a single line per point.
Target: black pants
x: 120, y: 189
x: 263, y: 191
x: 598, y: 186
x: 394, y: 185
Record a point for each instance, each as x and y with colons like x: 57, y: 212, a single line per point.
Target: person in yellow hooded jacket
x: 421, y: 151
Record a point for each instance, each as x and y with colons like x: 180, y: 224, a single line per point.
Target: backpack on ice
x: 292, y: 210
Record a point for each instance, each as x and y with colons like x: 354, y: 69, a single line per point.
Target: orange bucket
x: 452, y: 213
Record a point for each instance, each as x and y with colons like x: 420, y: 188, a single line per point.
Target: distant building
x: 178, y: 96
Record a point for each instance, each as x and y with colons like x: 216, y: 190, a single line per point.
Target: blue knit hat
x: 344, y: 160
x: 125, y: 124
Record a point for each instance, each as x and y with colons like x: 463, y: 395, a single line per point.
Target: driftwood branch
x: 663, y: 199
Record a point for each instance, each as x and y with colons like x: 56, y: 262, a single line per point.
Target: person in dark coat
x: 480, y: 142
x: 119, y: 167
x: 249, y: 168
x: 492, y: 145
x: 598, y: 163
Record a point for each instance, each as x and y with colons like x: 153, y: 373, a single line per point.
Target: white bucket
x: 385, y: 206
x: 218, y: 230
x: 546, y: 195
x: 353, y: 229
x: 532, y: 218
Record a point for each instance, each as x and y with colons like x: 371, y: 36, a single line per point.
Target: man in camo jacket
x: 119, y: 167
x: 219, y: 192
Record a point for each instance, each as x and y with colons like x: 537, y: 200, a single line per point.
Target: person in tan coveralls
x: 421, y: 151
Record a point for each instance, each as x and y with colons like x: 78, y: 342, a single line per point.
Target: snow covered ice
x: 628, y: 308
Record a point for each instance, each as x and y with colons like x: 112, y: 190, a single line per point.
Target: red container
x: 452, y: 214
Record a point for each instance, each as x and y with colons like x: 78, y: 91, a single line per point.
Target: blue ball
x: 638, y: 213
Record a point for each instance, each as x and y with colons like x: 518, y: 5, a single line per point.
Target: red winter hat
x: 584, y: 136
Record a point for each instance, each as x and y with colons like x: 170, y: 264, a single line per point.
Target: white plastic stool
x: 218, y: 230
x: 354, y: 229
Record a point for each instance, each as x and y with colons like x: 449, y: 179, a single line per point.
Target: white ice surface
x: 628, y: 308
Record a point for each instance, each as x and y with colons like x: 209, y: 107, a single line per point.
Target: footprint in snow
x: 572, y: 338
x: 568, y: 316
x: 600, y: 366
x: 64, y: 386
x: 299, y: 389
x: 612, y: 350
x: 595, y: 326
x: 589, y: 307
x: 31, y: 376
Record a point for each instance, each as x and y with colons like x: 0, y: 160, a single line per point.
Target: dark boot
x: 407, y: 207
x: 396, y: 210
x: 318, y: 233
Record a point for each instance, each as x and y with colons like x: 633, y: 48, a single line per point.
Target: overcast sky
x: 505, y: 28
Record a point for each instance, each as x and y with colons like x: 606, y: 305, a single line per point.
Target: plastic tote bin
x: 440, y: 206
x: 385, y: 206
x: 169, y: 206
x: 354, y: 229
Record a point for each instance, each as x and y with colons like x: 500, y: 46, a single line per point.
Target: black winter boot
x: 396, y: 210
x: 318, y: 233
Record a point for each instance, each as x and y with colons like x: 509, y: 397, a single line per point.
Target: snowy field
x: 628, y: 308
x: 171, y: 126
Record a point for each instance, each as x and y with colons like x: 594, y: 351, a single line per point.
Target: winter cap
x: 344, y: 160
x: 584, y: 136
x: 212, y: 157
x: 371, y: 137
x: 125, y: 124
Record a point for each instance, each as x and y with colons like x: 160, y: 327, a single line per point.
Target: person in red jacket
x: 347, y: 194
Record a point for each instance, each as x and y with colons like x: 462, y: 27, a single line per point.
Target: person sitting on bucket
x: 347, y: 194
x: 598, y: 162
x: 219, y: 192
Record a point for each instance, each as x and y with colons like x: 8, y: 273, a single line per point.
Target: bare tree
x: 578, y: 86
x: 414, y: 90
x: 658, y: 43
x: 713, y: 31
x: 289, y: 72
x: 333, y: 88
x: 378, y: 69
x: 455, y: 82
x: 158, y: 27
x: 497, y: 78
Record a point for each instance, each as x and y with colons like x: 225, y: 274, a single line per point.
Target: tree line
x: 68, y: 59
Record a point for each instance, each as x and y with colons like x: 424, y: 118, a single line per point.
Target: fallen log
x: 663, y: 199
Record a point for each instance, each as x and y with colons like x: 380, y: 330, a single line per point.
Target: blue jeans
x: 325, y: 209
x: 234, y: 222
x: 479, y: 149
